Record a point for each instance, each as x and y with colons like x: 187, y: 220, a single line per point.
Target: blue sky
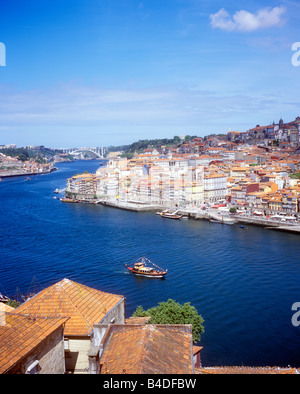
x: 110, y: 72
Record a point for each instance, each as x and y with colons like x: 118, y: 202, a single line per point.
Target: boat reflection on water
x: 144, y: 267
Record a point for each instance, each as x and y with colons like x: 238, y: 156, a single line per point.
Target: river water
x: 242, y: 281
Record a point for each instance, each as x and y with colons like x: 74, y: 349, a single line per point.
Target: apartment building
x: 177, y: 182
x: 239, y: 172
x: 239, y: 192
x: 215, y: 187
x: 82, y: 184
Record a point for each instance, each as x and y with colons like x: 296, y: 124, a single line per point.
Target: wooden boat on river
x: 67, y: 199
x: 144, y: 267
x: 171, y: 215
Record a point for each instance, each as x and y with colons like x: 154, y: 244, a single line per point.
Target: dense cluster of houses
x: 12, y: 166
x: 242, y: 169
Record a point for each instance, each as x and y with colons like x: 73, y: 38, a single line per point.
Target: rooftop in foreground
x: 246, y: 371
x: 84, y: 305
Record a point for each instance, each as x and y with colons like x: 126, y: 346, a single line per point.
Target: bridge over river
x: 97, y: 151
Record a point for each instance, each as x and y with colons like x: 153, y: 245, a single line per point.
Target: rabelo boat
x: 144, y: 267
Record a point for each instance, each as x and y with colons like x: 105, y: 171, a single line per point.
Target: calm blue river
x: 242, y: 281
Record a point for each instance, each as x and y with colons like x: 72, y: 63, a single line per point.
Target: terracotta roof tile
x: 84, y: 305
x: 245, y: 370
x: 148, y: 349
x: 20, y: 334
x: 137, y: 320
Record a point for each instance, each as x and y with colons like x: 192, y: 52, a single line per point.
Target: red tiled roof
x: 85, y: 306
x: 19, y: 335
x: 246, y: 370
x: 148, y: 349
x: 137, y: 320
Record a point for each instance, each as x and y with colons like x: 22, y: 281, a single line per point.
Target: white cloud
x: 245, y: 21
x: 82, y: 115
x: 71, y: 104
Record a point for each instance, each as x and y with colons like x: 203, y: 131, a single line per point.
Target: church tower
x: 281, y: 124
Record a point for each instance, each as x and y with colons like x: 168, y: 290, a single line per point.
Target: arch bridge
x: 99, y: 151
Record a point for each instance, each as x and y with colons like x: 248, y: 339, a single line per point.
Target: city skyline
x: 91, y: 73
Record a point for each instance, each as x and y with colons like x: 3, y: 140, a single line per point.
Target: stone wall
x: 47, y: 358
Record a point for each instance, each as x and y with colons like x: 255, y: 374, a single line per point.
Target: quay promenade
x: 20, y: 173
x: 132, y: 206
x: 267, y: 223
x: 199, y: 214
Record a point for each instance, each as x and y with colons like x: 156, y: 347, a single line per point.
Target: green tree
x: 177, y: 139
x: 171, y: 312
x: 295, y: 175
x: 13, y: 303
x: 23, y: 157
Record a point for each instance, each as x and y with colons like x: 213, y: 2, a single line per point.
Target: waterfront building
x: 237, y: 195
x: 83, y: 185
x: 256, y: 201
x: 275, y: 203
x: 193, y: 187
x: 290, y: 201
x: 215, y: 187
x: 173, y: 181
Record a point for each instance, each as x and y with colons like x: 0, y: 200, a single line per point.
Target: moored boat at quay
x: 171, y: 215
x: 67, y: 199
x: 144, y: 267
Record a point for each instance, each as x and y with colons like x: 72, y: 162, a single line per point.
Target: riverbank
x: 193, y: 213
x: 267, y: 223
x: 12, y: 174
x: 132, y: 206
x: 196, y: 214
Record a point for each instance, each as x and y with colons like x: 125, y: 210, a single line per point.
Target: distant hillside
x: 24, y: 154
x: 139, y: 146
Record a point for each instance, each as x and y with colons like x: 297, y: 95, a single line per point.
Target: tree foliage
x: 171, y: 312
x: 295, y: 175
x: 13, y: 303
x: 39, y: 154
x: 140, y: 145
